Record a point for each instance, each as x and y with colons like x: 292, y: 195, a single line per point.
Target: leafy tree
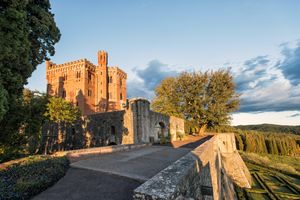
x: 61, y: 111
x: 27, y: 37
x: 3, y: 101
x: 26, y: 136
x: 205, y: 99
x: 34, y: 107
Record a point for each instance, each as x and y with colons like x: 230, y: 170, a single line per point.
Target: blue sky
x: 152, y: 39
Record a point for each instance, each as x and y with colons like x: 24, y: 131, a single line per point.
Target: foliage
x: 271, y: 128
x: 31, y: 176
x: 180, y: 135
x: 3, y: 101
x: 205, y: 99
x: 272, y: 143
x: 34, y: 104
x: 222, y: 129
x: 27, y: 37
x: 10, y: 152
x: 59, y: 110
x: 26, y: 139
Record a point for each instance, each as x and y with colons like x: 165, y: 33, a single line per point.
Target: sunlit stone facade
x: 93, y: 88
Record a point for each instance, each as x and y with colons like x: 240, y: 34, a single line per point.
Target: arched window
x: 112, y: 130
x: 78, y: 74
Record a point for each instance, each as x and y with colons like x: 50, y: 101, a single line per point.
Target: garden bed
x: 30, y: 176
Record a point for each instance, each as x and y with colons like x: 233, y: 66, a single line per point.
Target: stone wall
x: 136, y: 124
x: 93, y: 88
x: 150, y: 126
x: 90, y: 131
x: 201, y: 174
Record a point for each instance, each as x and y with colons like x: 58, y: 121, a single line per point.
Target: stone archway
x: 162, y: 128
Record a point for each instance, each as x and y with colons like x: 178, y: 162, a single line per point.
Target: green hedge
x: 31, y: 176
x: 272, y: 143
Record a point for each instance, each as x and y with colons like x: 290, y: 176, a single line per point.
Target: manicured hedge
x: 31, y: 176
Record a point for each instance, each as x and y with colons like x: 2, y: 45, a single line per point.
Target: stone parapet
x: 204, y: 173
x: 82, y: 154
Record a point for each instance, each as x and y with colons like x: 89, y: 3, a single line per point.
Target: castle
x: 97, y: 90
x: 92, y: 88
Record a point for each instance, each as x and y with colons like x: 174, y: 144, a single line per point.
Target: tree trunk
x: 46, y: 145
x: 202, y: 129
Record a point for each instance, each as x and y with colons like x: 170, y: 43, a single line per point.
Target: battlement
x: 117, y: 70
x: 66, y: 79
x: 81, y: 62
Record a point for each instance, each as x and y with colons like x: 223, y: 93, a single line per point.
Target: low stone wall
x: 134, y: 125
x: 82, y: 154
x: 201, y: 174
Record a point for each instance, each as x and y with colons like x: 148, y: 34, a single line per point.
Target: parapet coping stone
x: 86, y: 153
x: 166, y: 184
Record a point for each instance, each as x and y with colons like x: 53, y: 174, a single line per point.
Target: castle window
x: 121, y: 96
x: 77, y: 104
x: 78, y: 74
x: 110, y: 79
x: 89, y: 93
x: 120, y: 82
x: 64, y: 77
x: 89, y: 76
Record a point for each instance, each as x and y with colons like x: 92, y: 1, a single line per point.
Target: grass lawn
x: 30, y: 176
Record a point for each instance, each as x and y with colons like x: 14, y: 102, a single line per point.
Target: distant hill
x: 271, y: 128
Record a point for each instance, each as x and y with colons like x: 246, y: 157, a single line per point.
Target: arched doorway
x: 161, y: 132
x: 112, y: 130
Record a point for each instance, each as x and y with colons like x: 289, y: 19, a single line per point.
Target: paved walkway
x: 115, y: 176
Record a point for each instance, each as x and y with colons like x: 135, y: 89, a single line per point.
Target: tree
x: 61, y: 111
x: 34, y: 107
x: 3, y: 101
x: 207, y: 99
x: 27, y: 37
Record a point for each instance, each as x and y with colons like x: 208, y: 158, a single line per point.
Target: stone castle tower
x: 92, y: 88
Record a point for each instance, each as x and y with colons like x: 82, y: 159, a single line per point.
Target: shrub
x: 180, y: 135
x: 31, y: 176
x: 9, y: 153
x: 272, y: 143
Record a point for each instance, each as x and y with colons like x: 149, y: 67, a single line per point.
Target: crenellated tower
x: 93, y: 88
x: 101, y: 100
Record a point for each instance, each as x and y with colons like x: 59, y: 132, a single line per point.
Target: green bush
x: 10, y: 153
x: 180, y: 135
x: 31, y: 176
x: 272, y: 143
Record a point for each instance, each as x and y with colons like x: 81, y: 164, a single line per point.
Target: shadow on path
x: 115, y: 176
x: 88, y: 184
